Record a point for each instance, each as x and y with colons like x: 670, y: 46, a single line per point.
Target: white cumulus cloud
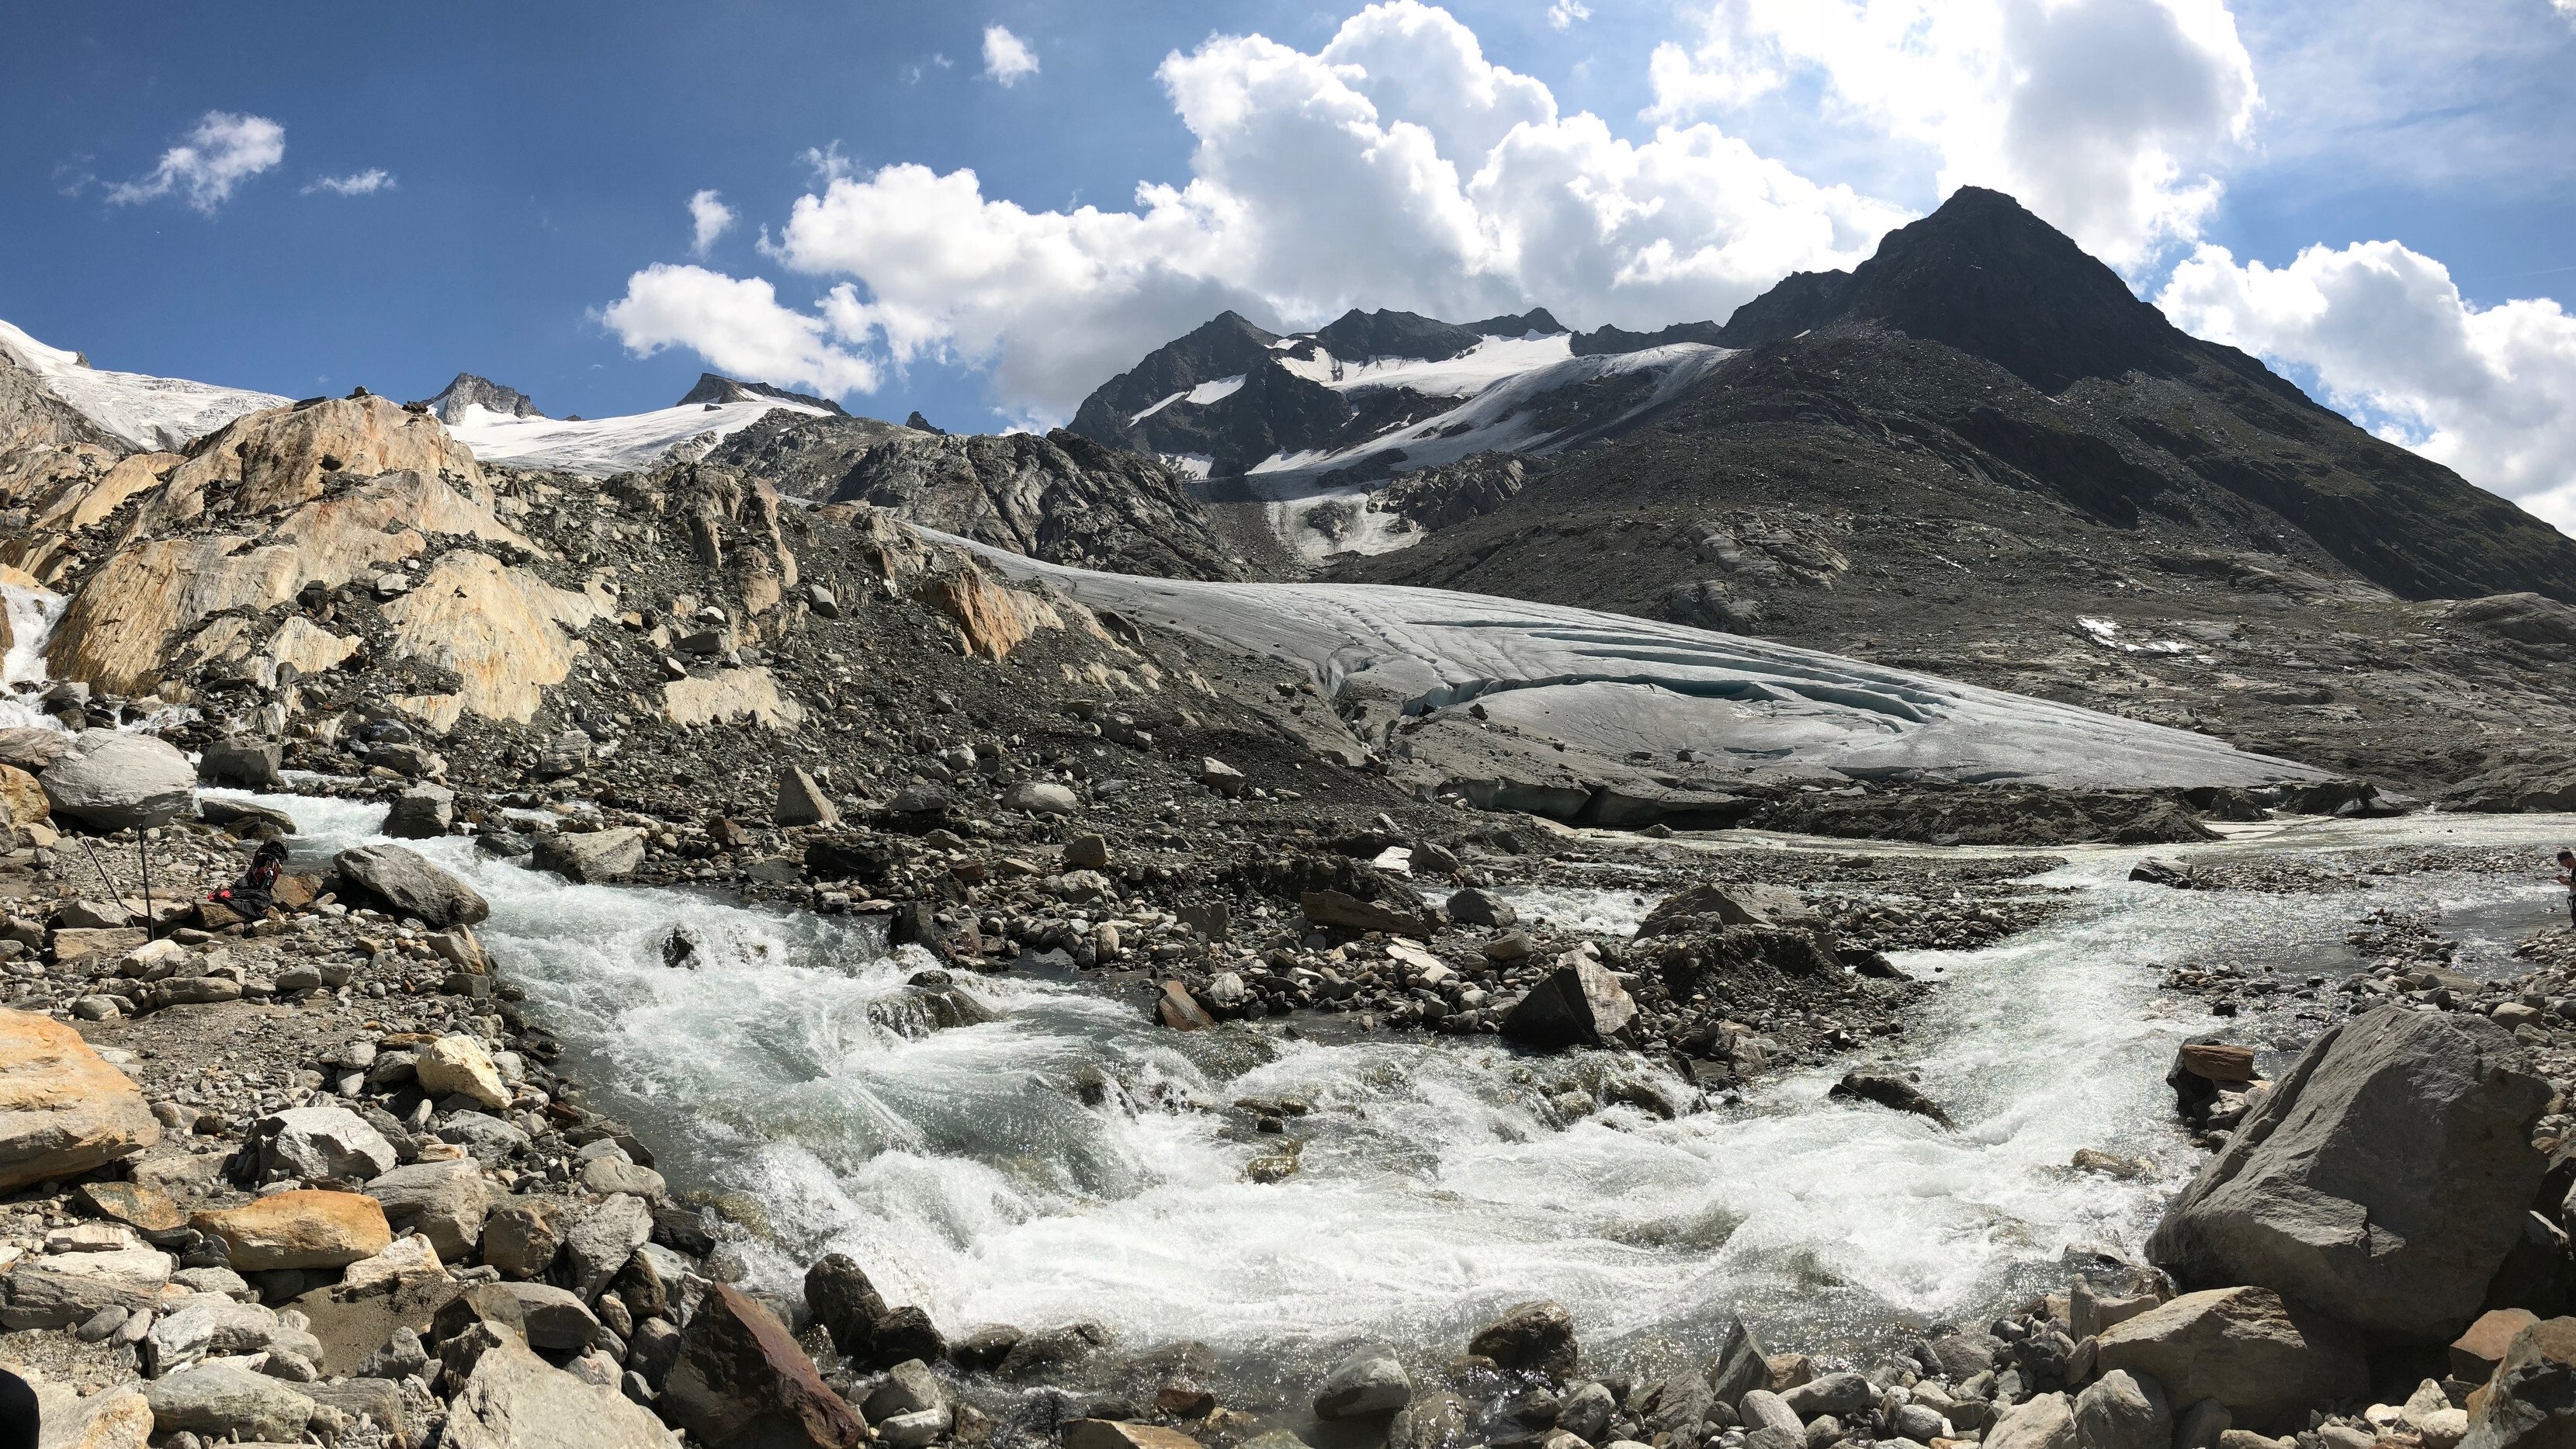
x: 2389, y: 338
x: 1394, y: 167
x: 738, y: 325
x: 356, y: 183
x: 223, y: 151
x: 1007, y: 58
x: 2110, y: 118
x: 709, y: 218
x: 1563, y: 14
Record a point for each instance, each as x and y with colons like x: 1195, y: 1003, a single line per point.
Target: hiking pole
x: 143, y: 850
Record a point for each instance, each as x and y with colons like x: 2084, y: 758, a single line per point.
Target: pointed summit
x: 467, y: 390
x: 1983, y: 275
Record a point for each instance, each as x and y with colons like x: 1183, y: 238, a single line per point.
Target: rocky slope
x: 1061, y: 497
x: 466, y: 390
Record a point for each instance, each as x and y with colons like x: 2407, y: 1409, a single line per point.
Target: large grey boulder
x: 2043, y: 1421
x: 58, y: 1290
x: 110, y: 780
x: 516, y: 1400
x: 1740, y: 1367
x: 2382, y: 1181
x: 592, y: 857
x: 2124, y: 1410
x: 2267, y: 1361
x: 2529, y: 1402
x: 422, y: 812
x: 407, y: 885
x: 445, y: 1202
x: 601, y: 1237
x: 318, y: 1142
x: 1578, y: 1004
x: 237, y: 761
x: 220, y: 1401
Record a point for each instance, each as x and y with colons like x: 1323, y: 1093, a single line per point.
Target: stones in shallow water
x: 1367, y: 1382
x: 1530, y: 1338
x: 407, y: 885
x: 1580, y: 1003
x: 1889, y: 1090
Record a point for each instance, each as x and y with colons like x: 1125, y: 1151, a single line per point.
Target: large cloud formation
x: 2489, y: 392
x: 1394, y: 167
x: 2109, y: 117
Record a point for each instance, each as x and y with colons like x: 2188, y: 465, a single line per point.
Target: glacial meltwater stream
x: 969, y: 1170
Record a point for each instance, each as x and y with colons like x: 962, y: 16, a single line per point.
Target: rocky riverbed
x: 1082, y: 1220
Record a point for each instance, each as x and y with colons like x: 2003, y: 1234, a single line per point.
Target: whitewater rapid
x: 1441, y: 1180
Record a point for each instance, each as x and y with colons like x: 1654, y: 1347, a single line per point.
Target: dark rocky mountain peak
x: 713, y: 388
x: 1983, y: 275
x: 468, y: 390
x: 920, y: 424
x: 1226, y: 345
x: 1358, y: 336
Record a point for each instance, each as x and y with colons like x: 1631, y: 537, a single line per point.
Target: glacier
x: 1477, y: 684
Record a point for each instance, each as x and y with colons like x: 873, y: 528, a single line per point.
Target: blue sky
x: 1672, y: 159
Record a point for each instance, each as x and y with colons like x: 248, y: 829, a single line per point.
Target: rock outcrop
x: 110, y: 780
x: 2382, y: 1181
x: 2267, y: 1361
x: 63, y: 1109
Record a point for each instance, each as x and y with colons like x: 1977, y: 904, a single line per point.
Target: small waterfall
x: 32, y: 615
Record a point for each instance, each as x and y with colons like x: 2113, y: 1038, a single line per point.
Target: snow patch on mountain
x: 599, y: 447
x: 1480, y: 367
x: 140, y: 409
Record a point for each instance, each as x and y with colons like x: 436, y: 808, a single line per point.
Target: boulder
x: 592, y: 857
x: 445, y: 1202
x: 457, y: 1065
x: 801, y: 801
x: 1739, y: 1368
x: 521, y: 1239
x: 1368, y: 1382
x: 1762, y: 1409
x: 1221, y: 777
x: 59, y: 1290
x: 1473, y: 907
x: 845, y: 1303
x: 1179, y: 1010
x: 248, y: 763
x: 32, y: 749
x: 1334, y: 910
x: 1042, y: 797
x: 423, y: 812
x: 63, y: 1110
x: 2530, y: 1400
x: 1887, y: 1089
x: 310, y: 1143
x: 220, y: 1401
x: 1725, y: 905
x: 1578, y: 1004
x: 406, y: 1261
x: 298, y: 1229
x: 599, y: 1238
x: 1120, y: 1434
x: 1530, y: 1338
x: 2475, y: 1354
x: 203, y: 1326
x: 398, y: 879
x: 516, y: 1400
x: 615, y: 1175
x: 1846, y: 1396
x: 2123, y: 1410
x: 2044, y: 1421
x: 113, y: 1418
x: 110, y: 780
x: 2266, y: 1361
x: 741, y: 1379
x: 909, y: 1388
x: 553, y: 1318
x: 2383, y: 1180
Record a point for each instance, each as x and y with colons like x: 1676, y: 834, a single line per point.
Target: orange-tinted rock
x: 63, y: 1109
x: 299, y: 1229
